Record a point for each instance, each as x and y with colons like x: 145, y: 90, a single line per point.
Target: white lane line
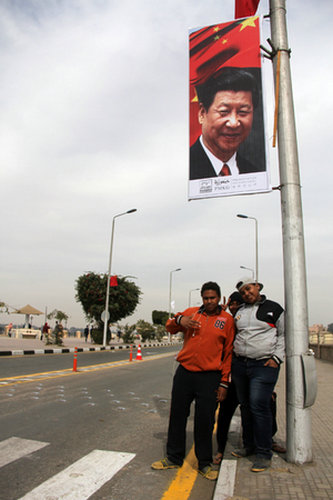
x: 226, y: 481
x: 235, y: 424
x: 14, y: 448
x: 81, y: 479
x: 225, y: 485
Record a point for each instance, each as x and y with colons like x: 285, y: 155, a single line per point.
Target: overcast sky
x: 94, y: 122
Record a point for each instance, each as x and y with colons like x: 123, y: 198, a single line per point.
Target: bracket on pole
x: 272, y: 53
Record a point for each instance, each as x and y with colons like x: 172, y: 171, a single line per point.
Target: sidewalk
x: 286, y: 481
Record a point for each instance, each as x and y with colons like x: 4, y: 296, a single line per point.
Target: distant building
x: 315, y: 329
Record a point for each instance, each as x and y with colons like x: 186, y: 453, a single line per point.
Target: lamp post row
x: 106, y: 311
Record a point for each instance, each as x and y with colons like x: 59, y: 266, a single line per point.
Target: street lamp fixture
x: 106, y: 311
x: 189, y: 295
x: 242, y: 216
x: 249, y: 269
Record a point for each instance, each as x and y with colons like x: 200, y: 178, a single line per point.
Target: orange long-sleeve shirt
x: 209, y: 347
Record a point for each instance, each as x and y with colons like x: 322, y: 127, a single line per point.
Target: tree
x: 330, y: 328
x: 145, y: 329
x: 3, y: 307
x: 91, y: 293
x: 160, y: 332
x: 160, y: 317
x: 128, y: 335
x: 58, y: 315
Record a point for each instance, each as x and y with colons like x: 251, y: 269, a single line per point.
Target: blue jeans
x: 254, y: 384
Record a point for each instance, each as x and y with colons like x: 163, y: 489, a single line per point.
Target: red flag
x: 245, y: 8
x: 113, y: 281
x: 231, y: 44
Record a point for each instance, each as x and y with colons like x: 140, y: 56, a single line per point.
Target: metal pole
x: 257, y: 258
x: 242, y: 216
x: 189, y: 295
x: 299, y: 439
x: 170, y: 286
x: 109, y: 274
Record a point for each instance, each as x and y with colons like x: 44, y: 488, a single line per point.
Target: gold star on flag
x: 216, y: 37
x: 224, y: 41
x: 249, y: 22
x: 216, y: 28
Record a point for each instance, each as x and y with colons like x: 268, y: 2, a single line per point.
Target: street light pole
x: 109, y: 274
x: 249, y: 269
x: 170, y: 287
x: 189, y: 295
x: 242, y: 216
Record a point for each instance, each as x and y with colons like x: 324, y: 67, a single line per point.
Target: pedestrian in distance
x: 202, y: 376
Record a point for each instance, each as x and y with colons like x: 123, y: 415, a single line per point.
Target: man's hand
x: 188, y: 322
x: 223, y: 304
x: 221, y: 393
x: 271, y: 363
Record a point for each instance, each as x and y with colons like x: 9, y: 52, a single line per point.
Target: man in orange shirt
x: 202, y: 376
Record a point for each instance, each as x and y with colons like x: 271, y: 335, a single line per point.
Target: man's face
x: 210, y: 300
x: 227, y: 123
x: 250, y: 293
x: 234, y: 306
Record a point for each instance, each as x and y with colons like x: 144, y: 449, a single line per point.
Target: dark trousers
x: 226, y: 412
x: 200, y: 387
x: 254, y: 384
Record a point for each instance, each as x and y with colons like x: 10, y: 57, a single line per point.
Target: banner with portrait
x: 227, y: 136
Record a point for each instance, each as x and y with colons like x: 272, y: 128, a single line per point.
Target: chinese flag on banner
x: 231, y: 44
x: 113, y: 281
x: 245, y: 8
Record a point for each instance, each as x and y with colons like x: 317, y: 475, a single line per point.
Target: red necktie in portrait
x: 225, y: 170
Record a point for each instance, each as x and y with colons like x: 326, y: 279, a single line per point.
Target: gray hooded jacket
x: 260, y: 330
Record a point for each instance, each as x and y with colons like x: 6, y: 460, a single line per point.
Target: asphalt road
x: 36, y: 363
x: 123, y: 408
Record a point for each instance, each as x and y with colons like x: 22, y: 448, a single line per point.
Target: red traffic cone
x: 139, y: 355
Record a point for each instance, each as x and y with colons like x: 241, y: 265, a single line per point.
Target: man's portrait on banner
x: 226, y: 110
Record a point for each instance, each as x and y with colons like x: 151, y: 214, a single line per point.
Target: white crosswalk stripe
x: 78, y: 482
x: 81, y: 479
x: 14, y: 448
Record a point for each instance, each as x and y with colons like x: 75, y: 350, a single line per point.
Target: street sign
x: 103, y: 316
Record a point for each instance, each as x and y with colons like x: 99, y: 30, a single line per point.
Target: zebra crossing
x: 79, y: 481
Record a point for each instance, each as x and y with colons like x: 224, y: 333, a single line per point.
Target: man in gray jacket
x: 258, y: 353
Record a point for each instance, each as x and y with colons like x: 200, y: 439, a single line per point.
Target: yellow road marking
x: 181, y: 486
x: 33, y: 377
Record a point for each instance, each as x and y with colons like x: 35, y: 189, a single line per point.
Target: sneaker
x: 242, y: 453
x: 209, y: 472
x: 260, y: 464
x: 165, y: 463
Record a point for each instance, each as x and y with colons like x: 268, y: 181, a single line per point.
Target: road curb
x: 64, y: 350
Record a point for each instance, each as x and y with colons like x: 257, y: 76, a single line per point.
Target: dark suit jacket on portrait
x: 201, y: 167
